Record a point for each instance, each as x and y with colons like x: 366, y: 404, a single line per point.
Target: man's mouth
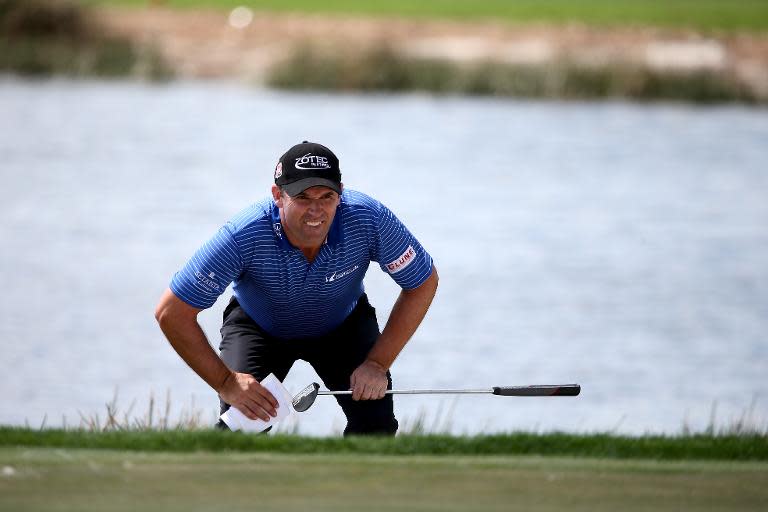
x: 313, y: 223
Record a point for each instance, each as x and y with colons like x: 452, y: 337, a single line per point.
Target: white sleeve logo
x: 402, y: 261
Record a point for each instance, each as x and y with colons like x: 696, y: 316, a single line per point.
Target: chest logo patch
x: 335, y: 276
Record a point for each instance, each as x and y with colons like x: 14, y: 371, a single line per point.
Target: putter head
x: 306, y: 397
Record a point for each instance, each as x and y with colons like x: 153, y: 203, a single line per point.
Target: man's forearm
x: 178, y: 322
x: 193, y: 347
x: 407, y: 314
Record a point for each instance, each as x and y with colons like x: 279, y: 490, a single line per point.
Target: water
x: 619, y: 246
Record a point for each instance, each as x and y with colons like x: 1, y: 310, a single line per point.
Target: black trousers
x: 246, y: 348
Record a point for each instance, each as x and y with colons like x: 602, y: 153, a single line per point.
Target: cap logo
x: 310, y: 162
x: 279, y: 170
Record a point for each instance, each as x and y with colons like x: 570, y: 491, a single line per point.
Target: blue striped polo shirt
x: 280, y: 290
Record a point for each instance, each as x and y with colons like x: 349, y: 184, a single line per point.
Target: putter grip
x: 559, y: 390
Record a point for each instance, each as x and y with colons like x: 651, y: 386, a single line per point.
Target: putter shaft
x: 418, y: 392
x: 305, y: 399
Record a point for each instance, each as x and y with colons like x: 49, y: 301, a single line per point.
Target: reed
x: 382, y: 68
x: 158, y: 416
x: 158, y: 427
x: 60, y: 37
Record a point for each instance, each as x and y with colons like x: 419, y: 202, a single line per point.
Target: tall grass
x: 382, y: 68
x: 166, y: 415
x: 158, y: 428
x: 59, y: 37
x: 158, y: 416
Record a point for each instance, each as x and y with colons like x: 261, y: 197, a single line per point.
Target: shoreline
x: 214, y: 44
x: 342, y: 52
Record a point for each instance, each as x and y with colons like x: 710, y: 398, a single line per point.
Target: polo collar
x: 332, y: 240
x: 277, y: 228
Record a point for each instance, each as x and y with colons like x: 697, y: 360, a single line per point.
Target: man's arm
x: 178, y: 321
x: 369, y: 380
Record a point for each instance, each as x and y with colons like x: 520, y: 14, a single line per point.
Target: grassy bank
x: 85, y: 480
x: 752, y: 447
x: 384, y: 69
x: 213, y: 470
x: 60, y: 37
x: 41, y: 38
x: 707, y: 15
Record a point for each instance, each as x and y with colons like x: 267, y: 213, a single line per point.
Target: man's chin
x: 318, y: 234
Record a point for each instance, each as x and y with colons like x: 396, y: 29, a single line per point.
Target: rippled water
x: 620, y: 246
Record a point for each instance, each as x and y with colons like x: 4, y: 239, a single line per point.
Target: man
x: 298, y: 260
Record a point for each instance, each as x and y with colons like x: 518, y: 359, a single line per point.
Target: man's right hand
x: 242, y: 391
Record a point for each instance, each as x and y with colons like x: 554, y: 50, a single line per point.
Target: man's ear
x: 277, y: 196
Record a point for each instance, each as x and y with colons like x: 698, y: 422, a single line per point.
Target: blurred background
x: 591, y: 179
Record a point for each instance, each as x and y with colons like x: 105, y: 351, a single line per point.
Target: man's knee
x: 371, y: 420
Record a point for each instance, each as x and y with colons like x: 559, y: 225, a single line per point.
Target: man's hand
x: 369, y: 381
x: 242, y: 391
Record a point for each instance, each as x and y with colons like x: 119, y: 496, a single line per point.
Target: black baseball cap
x: 308, y: 165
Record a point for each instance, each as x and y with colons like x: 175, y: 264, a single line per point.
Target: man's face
x: 307, y: 217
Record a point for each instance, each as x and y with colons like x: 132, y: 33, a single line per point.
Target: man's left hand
x: 369, y: 381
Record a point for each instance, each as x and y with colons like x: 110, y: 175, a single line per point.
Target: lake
x: 621, y: 246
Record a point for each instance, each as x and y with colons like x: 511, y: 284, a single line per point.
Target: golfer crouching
x: 297, y: 260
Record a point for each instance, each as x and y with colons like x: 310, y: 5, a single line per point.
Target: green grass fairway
x: 57, y: 479
x: 703, y: 14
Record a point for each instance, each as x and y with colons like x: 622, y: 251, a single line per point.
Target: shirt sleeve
x: 398, y: 252
x: 208, y: 273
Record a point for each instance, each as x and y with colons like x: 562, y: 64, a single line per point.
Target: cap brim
x: 297, y: 187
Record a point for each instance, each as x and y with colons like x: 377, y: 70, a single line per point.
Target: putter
x: 307, y: 396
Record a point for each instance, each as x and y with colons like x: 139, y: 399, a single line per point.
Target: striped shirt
x: 280, y: 290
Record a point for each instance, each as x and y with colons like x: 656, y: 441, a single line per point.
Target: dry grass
x: 159, y: 415
x: 162, y: 415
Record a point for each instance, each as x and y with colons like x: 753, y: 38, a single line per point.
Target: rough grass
x: 753, y: 447
x: 717, y: 15
x: 59, y: 37
x: 384, y: 69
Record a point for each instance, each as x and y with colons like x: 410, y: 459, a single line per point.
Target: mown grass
x: 752, y: 447
x: 705, y: 15
x: 99, y: 480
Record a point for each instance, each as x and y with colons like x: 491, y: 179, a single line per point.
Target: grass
x: 148, y: 462
x: 86, y: 480
x: 707, y: 15
x: 42, y: 38
x: 39, y: 38
x: 384, y: 69
x: 749, y: 447
x: 160, y: 427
